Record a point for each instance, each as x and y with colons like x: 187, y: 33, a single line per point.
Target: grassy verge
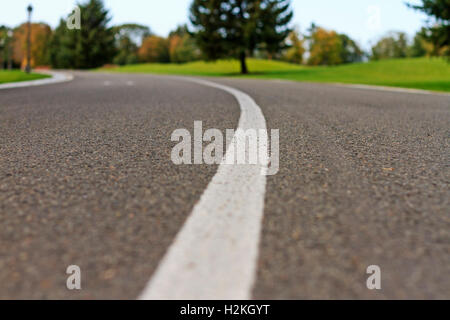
x: 16, y: 76
x: 418, y: 73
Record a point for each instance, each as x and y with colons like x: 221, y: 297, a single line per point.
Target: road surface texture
x: 86, y: 179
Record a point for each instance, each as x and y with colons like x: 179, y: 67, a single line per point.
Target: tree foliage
x: 90, y: 47
x: 133, y: 31
x: 154, y: 49
x: 423, y: 46
x: 439, y: 24
x: 394, y: 45
x: 40, y: 39
x: 274, y: 19
x: 236, y: 28
x: 182, y: 46
x: 3, y: 46
x: 127, y: 51
x: 128, y: 38
x: 350, y: 51
x: 325, y: 47
x: 296, y: 50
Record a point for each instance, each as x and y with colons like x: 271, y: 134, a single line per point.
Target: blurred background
x: 299, y: 32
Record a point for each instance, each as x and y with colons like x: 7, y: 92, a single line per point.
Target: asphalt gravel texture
x: 86, y: 179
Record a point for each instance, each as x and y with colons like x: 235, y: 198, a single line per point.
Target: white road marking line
x: 214, y: 256
x: 384, y: 88
x: 369, y: 87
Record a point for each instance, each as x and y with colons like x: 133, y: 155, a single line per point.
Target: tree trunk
x: 242, y: 57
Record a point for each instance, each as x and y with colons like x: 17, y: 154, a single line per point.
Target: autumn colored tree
x: 40, y: 39
x: 154, y: 49
x: 325, y: 47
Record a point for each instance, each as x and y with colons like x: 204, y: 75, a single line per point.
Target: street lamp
x: 28, y: 66
x: 10, y: 40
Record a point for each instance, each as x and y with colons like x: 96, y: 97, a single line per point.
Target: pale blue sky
x: 357, y: 18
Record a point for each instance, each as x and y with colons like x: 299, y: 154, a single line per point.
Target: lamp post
x: 28, y: 66
x: 10, y: 40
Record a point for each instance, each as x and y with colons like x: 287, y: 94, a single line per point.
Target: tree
x: 296, y: 48
x: 274, y: 15
x: 182, y: 47
x: 136, y: 32
x: 3, y: 46
x: 126, y: 51
x: 236, y: 28
x: 90, y: 47
x: 128, y: 39
x: 394, y: 45
x: 417, y: 48
x: 325, y: 47
x: 350, y: 51
x: 62, y: 47
x: 40, y: 38
x: 154, y: 49
x: 421, y: 46
x: 439, y: 23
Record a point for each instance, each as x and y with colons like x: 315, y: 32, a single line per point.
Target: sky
x: 363, y: 20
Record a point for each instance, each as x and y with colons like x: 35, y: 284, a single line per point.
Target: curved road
x: 86, y: 179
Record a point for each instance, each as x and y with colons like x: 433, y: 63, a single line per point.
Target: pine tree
x: 236, y: 28
x: 439, y: 29
x: 350, y: 51
x: 274, y: 19
x: 90, y: 47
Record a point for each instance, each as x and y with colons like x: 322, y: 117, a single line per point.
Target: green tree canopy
x: 3, y: 46
x: 350, y: 51
x: 128, y: 38
x: 182, y: 46
x: 421, y: 46
x: 235, y: 28
x: 90, y: 47
x: 133, y: 31
x: 394, y: 45
x: 439, y: 29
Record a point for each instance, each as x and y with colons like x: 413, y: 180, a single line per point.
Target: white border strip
x: 367, y: 87
x: 384, y: 88
x: 215, y: 254
x: 57, y: 77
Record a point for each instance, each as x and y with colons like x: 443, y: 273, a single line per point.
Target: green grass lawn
x: 17, y: 75
x: 417, y: 73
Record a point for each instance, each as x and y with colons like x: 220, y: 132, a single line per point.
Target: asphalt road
x: 86, y: 179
